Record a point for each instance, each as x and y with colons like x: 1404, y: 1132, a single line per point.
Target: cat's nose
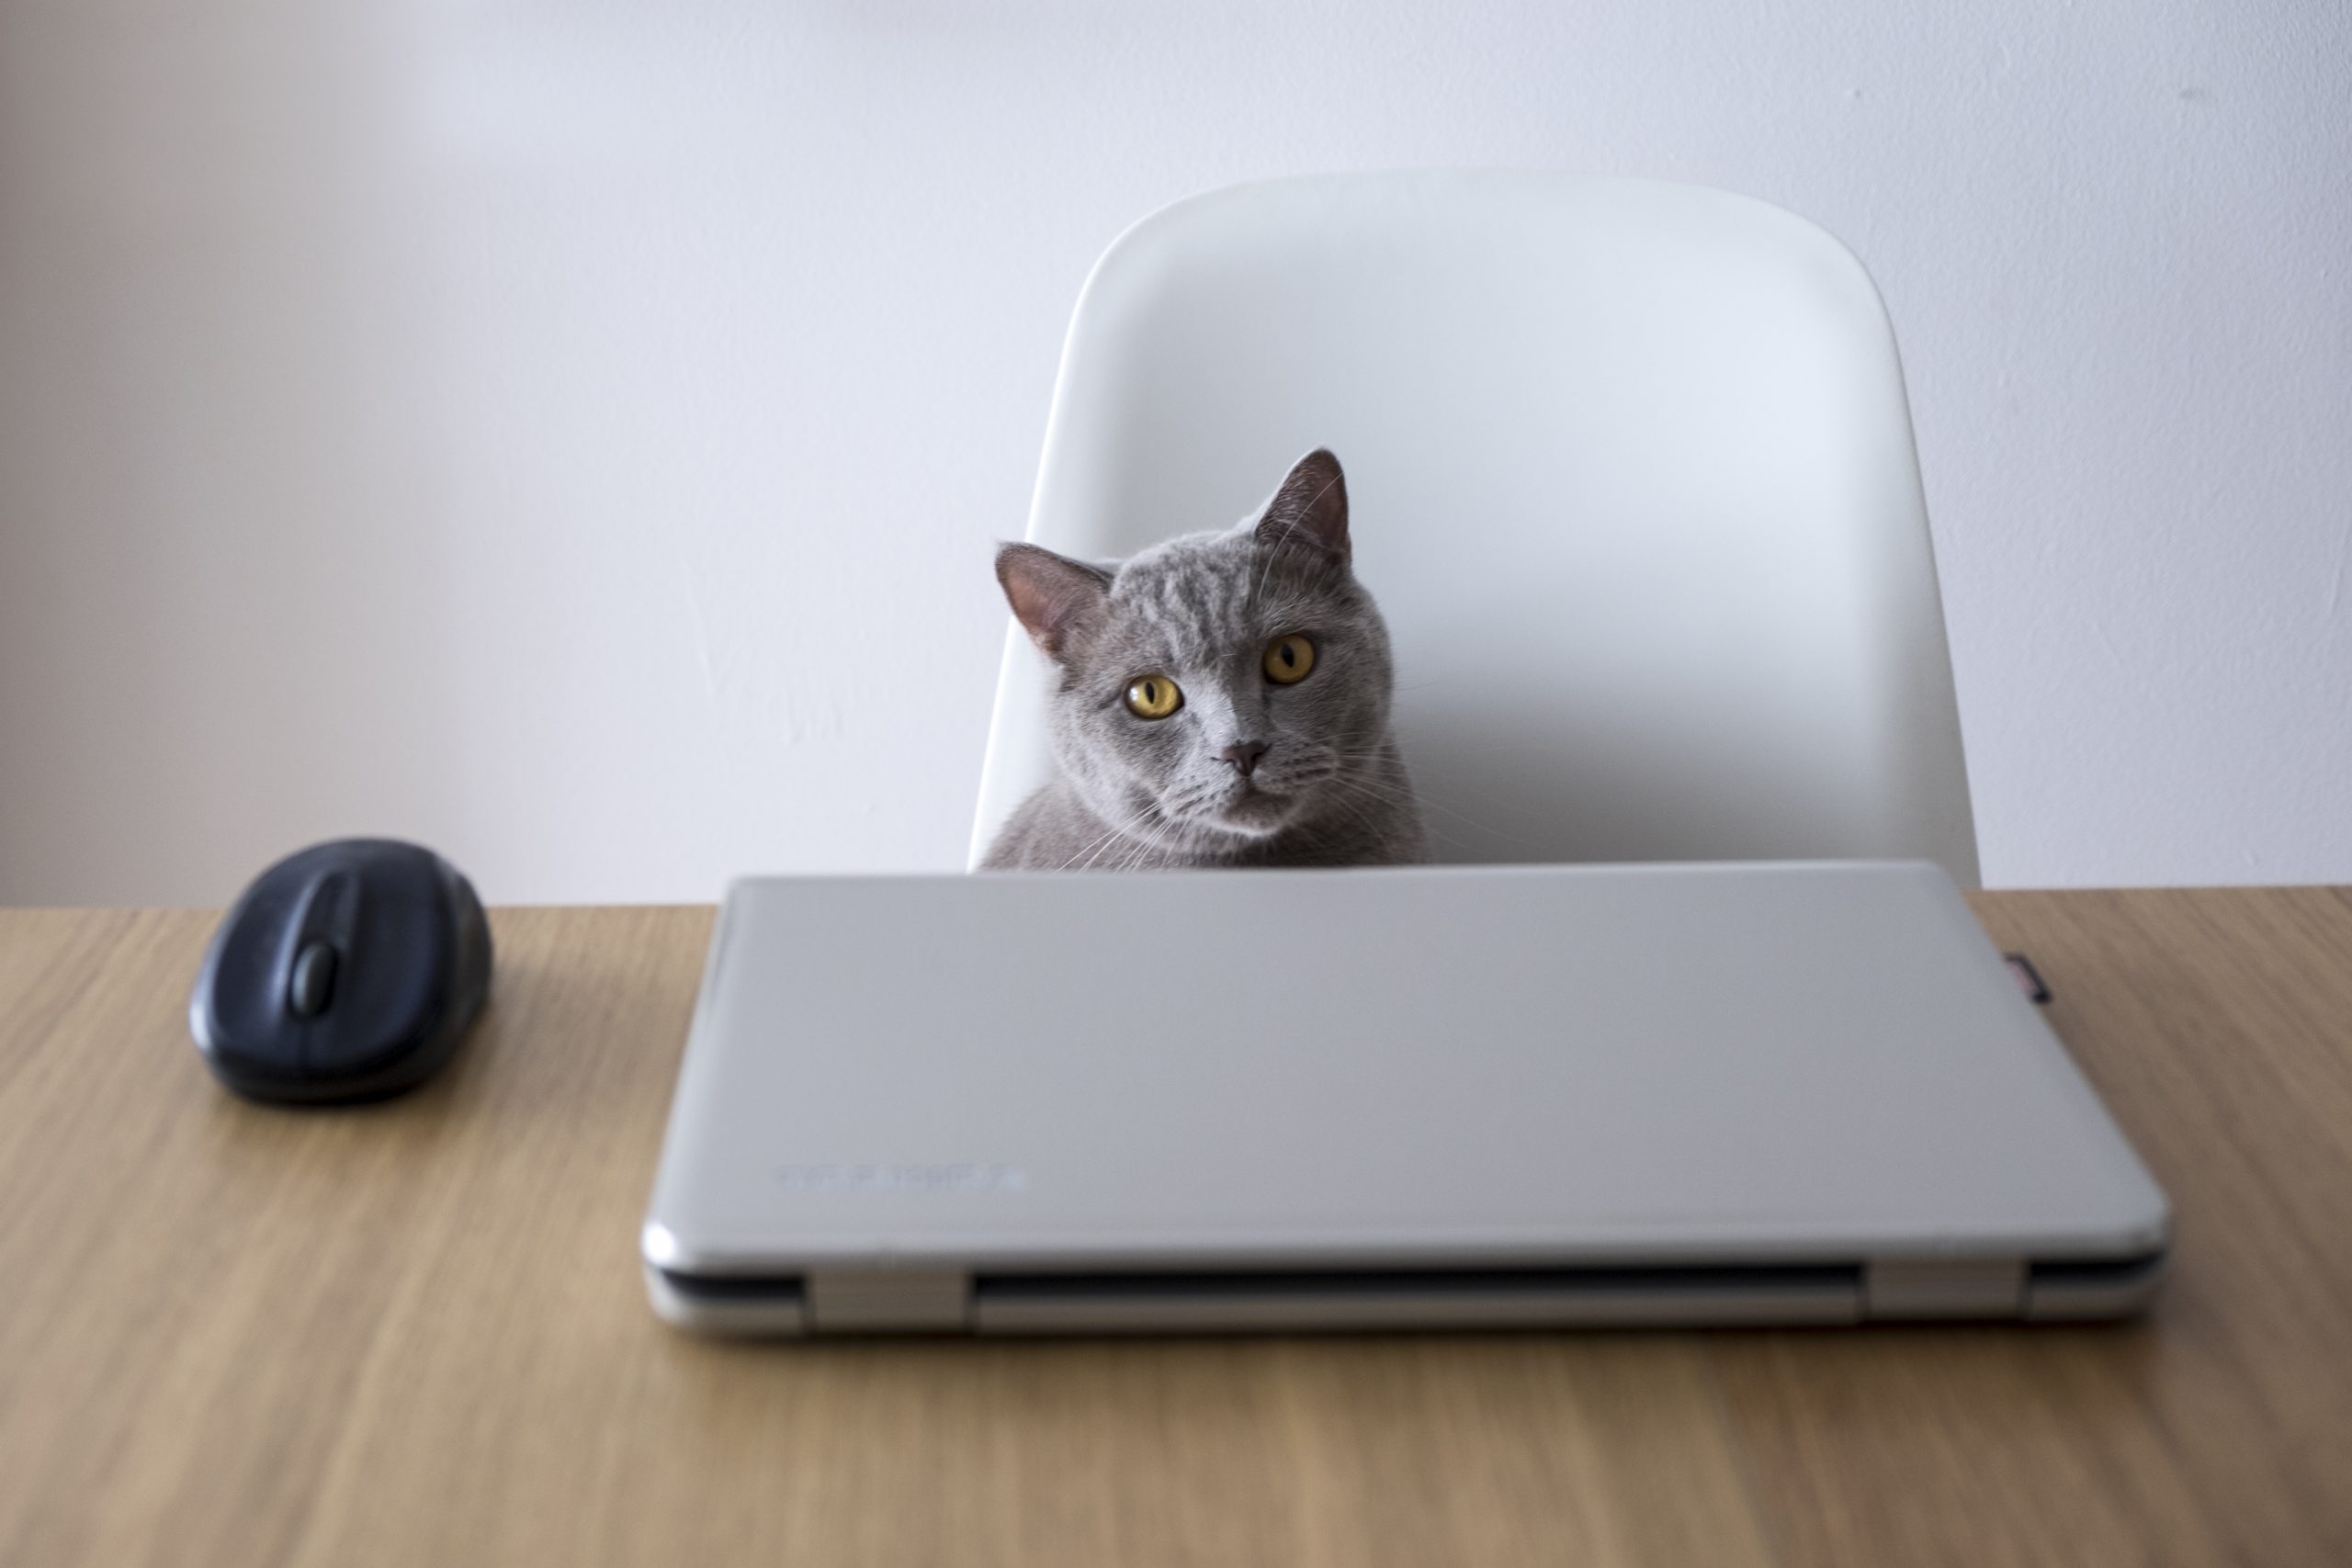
x: 1244, y: 755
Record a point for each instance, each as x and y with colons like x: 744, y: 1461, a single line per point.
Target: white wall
x: 573, y: 434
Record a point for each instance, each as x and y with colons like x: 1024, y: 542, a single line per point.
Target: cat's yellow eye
x: 1153, y: 696
x: 1288, y: 659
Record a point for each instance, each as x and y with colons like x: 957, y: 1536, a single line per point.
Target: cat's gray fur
x: 1132, y: 793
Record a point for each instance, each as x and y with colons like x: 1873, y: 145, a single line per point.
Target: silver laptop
x: 1439, y: 1097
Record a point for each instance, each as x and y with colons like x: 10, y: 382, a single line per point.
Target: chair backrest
x: 1631, y: 475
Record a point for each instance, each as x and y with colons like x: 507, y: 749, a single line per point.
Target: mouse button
x: 309, y: 958
x: 390, y: 978
x: 313, y: 986
x: 243, y: 985
x: 330, y: 906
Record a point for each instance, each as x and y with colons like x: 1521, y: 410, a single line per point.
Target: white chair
x: 1631, y: 475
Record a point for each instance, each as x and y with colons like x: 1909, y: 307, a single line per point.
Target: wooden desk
x: 415, y: 1333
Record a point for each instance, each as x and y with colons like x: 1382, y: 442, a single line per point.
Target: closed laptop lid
x: 1463, y: 1066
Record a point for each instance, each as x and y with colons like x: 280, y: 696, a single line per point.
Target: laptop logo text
x: 956, y: 1176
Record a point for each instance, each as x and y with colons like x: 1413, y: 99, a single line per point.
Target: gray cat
x: 1224, y: 699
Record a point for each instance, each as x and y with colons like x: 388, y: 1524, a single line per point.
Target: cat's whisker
x: 1094, y: 846
x: 1408, y: 802
x: 1359, y: 816
x: 1154, y: 843
x: 1433, y: 831
x: 1107, y: 840
x: 1503, y: 808
x: 1379, y: 754
x: 1090, y: 845
x: 1386, y: 796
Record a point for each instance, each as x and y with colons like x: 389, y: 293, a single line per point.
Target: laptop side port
x: 1943, y: 1288
x: 888, y: 1301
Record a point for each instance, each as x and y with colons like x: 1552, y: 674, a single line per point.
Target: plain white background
x: 573, y: 434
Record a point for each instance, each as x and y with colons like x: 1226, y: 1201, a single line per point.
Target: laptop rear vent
x: 1388, y: 1298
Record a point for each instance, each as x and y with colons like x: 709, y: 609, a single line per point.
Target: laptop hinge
x: 888, y: 1301
x: 1944, y: 1287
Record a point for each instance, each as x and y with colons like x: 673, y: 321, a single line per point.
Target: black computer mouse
x: 349, y: 971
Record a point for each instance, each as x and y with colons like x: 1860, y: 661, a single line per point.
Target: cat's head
x: 1222, y: 686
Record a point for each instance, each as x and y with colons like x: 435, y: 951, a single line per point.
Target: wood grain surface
x: 416, y: 1332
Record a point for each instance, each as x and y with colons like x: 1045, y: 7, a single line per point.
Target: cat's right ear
x: 1052, y: 596
x: 1310, y: 509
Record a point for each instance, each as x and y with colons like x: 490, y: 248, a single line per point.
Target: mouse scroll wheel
x: 312, y: 985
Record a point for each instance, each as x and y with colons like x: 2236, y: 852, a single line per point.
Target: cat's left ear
x: 1310, y: 508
